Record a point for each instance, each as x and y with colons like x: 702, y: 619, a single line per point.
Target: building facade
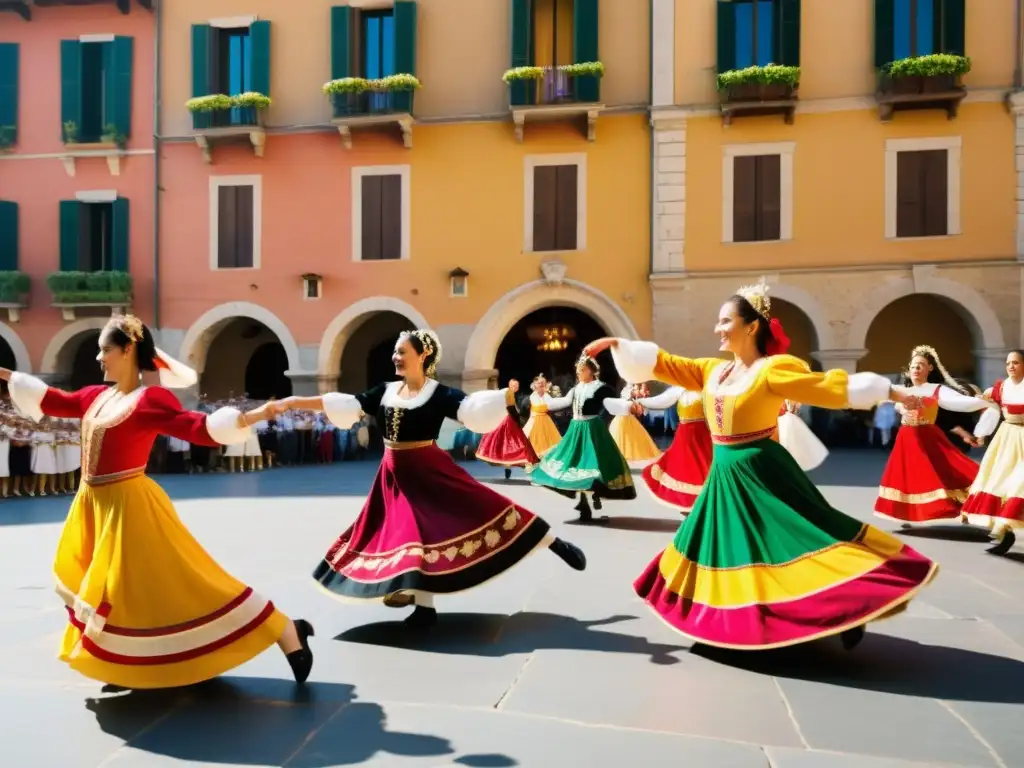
x: 77, y: 179
x: 884, y: 213
x: 297, y: 239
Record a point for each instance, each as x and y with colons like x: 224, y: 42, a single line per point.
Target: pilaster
x: 304, y: 383
x: 668, y: 197
x: 1016, y: 105
x: 478, y: 380
x: 989, y: 366
x: 844, y: 359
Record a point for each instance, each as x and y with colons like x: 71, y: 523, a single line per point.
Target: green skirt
x: 586, y: 460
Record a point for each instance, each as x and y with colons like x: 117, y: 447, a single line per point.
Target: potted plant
x: 934, y: 73
x: 348, y: 94
x: 345, y: 94
x: 522, y: 84
x: 76, y: 288
x: 14, y: 287
x: 399, y: 90
x: 771, y: 82
x: 252, y: 105
x: 8, y: 136
x: 70, y: 132
x: 113, y: 136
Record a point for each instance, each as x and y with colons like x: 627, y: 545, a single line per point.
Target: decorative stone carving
x: 553, y: 271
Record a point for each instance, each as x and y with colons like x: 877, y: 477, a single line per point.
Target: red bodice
x: 1012, y: 412
x: 118, y: 430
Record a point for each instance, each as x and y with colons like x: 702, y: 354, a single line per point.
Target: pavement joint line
x: 142, y: 731
x: 997, y: 629
x: 985, y: 584
x: 790, y: 712
x: 974, y: 732
x: 312, y: 734
x: 767, y: 757
x: 499, y: 704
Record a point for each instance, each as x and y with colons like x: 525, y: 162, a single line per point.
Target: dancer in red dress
x: 507, y: 446
x: 926, y: 479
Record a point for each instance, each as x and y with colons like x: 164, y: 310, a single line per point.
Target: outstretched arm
x: 35, y: 398
x: 343, y: 410
x: 641, y: 361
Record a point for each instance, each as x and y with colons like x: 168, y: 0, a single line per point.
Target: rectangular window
x: 96, y: 237
x: 378, y: 44
x: 555, y: 208
x: 235, y: 226
x: 922, y: 193
x: 381, y: 198
x: 914, y: 28
x: 552, y: 25
x: 755, y: 32
x: 96, y: 89
x: 232, y: 71
x: 9, y: 56
x: 757, y: 198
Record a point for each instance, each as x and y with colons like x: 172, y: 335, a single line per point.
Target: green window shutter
x: 520, y: 91
x: 787, y: 30
x: 341, y: 36
x: 954, y: 23
x: 259, y: 63
x: 9, y: 92
x: 201, y: 36
x: 405, y: 37
x: 118, y: 76
x: 70, y: 84
x: 885, y: 22
x: 726, y: 42
x: 70, y: 234
x: 8, y: 236
x: 119, y: 236
x: 585, y: 18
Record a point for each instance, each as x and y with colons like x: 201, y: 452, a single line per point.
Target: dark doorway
x: 379, y: 367
x: 85, y: 370
x: 264, y: 375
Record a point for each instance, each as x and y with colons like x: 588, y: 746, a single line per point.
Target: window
x: 913, y: 28
x: 232, y: 70
x: 547, y: 33
x: 8, y: 94
x: 757, y: 32
x: 378, y: 44
x: 757, y: 192
x: 94, y: 233
x: 555, y: 203
x: 96, y: 89
x: 380, y: 213
x: 230, y: 56
x: 905, y: 28
x: 754, y: 33
x: 8, y: 236
x: 922, y: 180
x: 235, y: 222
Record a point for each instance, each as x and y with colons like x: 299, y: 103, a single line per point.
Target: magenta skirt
x: 427, y: 525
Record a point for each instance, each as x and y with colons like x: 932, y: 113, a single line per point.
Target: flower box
x: 78, y: 288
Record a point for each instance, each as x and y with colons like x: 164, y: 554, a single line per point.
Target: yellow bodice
x: 927, y: 415
x: 690, y: 408
x: 535, y: 408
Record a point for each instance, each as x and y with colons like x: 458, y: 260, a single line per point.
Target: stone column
x: 668, y: 198
x: 989, y: 366
x: 845, y: 359
x: 476, y: 381
x: 1016, y: 105
x: 304, y: 383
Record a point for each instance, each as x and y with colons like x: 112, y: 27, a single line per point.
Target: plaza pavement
x: 542, y: 667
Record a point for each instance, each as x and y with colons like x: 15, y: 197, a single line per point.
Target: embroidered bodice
x: 589, y: 399
x: 1009, y: 396
x: 539, y: 403
x: 689, y: 405
x: 938, y: 396
x: 418, y: 419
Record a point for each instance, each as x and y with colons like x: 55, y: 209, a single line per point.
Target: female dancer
x: 587, y: 459
x: 540, y: 429
x: 427, y: 527
x: 507, y: 446
x: 926, y: 479
x: 147, y: 606
x: 763, y: 561
x: 635, y: 443
x: 996, y: 500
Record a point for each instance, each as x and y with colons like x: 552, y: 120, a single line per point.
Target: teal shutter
x: 522, y: 55
x: 8, y: 236
x: 118, y: 76
x: 787, y: 29
x: 8, y: 92
x: 70, y: 84
x: 70, y: 229
x: 585, y: 23
x: 885, y: 22
x: 726, y: 42
x: 259, y: 63
x: 405, y: 50
x: 341, y: 36
x: 201, y: 70
x: 954, y: 23
x: 119, y: 236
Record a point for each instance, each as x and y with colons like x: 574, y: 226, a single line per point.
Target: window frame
x: 356, y: 225
x: 785, y: 150
x: 365, y: 14
x: 531, y: 162
x: 914, y: 21
x: 773, y: 55
x: 953, y: 146
x: 236, y: 180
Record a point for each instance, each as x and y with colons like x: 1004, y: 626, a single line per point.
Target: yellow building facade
x: 884, y: 215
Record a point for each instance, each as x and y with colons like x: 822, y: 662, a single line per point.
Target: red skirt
x: 678, y: 476
x: 507, y: 446
x: 927, y: 478
x: 427, y: 526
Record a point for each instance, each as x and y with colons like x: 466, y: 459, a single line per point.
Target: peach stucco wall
x: 467, y: 198
x: 33, y: 176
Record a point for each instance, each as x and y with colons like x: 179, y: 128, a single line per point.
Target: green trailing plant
x: 70, y: 130
x: 769, y: 74
x: 251, y: 100
x: 14, y: 287
x: 346, y: 85
x: 357, y: 85
x: 218, y: 102
x: 583, y: 69
x: 90, y: 287
x: 399, y: 82
x: 518, y: 74
x: 926, y: 66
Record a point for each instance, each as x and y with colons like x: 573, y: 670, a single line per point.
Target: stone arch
x: 22, y: 361
x: 347, y: 322
x: 204, y: 330
x: 519, y: 302
x: 809, y: 305
x: 67, y: 334
x: 977, y: 312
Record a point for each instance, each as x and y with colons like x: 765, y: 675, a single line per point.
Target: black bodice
x: 412, y: 424
x: 593, y: 405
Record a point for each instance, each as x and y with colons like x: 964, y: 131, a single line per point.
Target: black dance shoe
x: 421, y: 618
x: 570, y: 553
x: 301, y: 661
x: 508, y: 473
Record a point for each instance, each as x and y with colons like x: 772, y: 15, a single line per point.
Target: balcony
x: 546, y: 94
x: 914, y: 92
x: 360, y: 103
x: 229, y: 119
x: 76, y: 291
x: 23, y: 8
x: 14, y: 290
x: 758, y: 91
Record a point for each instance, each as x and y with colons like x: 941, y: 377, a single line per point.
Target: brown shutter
x: 935, y: 192
x: 227, y: 226
x: 545, y: 196
x: 244, y: 223
x: 356, y: 42
x: 372, y: 215
x: 744, y: 199
x: 909, y: 195
x: 769, y: 197
x: 565, y: 207
x: 391, y: 216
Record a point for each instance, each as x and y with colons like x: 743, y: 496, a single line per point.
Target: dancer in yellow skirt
x: 634, y: 441
x: 147, y: 606
x: 540, y: 429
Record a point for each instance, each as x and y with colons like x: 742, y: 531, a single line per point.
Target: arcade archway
x: 245, y: 358
x: 366, y: 357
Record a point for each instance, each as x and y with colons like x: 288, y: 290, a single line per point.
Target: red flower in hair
x: 779, y: 343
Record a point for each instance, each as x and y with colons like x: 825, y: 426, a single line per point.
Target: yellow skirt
x: 147, y: 606
x: 633, y: 440
x: 542, y: 433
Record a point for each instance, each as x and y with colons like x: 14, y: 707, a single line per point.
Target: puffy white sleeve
x: 27, y: 393
x: 482, y: 412
x: 559, y: 403
x: 987, y: 423
x: 797, y: 438
x: 665, y: 400
x: 616, y: 406
x: 866, y: 390
x: 224, y: 428
x: 635, y: 360
x: 952, y: 400
x: 342, y: 410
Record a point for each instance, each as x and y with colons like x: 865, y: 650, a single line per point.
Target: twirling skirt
x: 586, y: 460
x: 996, y: 500
x: 926, y: 479
x: 676, y: 479
x: 542, y: 433
x: 147, y: 606
x: 507, y: 446
x: 427, y: 526
x: 763, y: 561
x: 634, y: 442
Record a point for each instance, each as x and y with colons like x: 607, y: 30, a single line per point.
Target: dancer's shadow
x: 643, y: 524
x: 951, y: 532
x: 494, y: 635
x: 258, y: 721
x: 889, y: 664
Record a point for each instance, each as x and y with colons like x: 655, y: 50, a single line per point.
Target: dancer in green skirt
x: 763, y: 561
x: 587, y: 460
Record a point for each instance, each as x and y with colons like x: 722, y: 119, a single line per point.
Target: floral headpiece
x: 923, y: 350
x: 130, y: 325
x: 757, y: 295
x: 585, y: 359
x: 432, y: 346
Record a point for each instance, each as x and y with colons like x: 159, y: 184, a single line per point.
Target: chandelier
x: 551, y: 338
